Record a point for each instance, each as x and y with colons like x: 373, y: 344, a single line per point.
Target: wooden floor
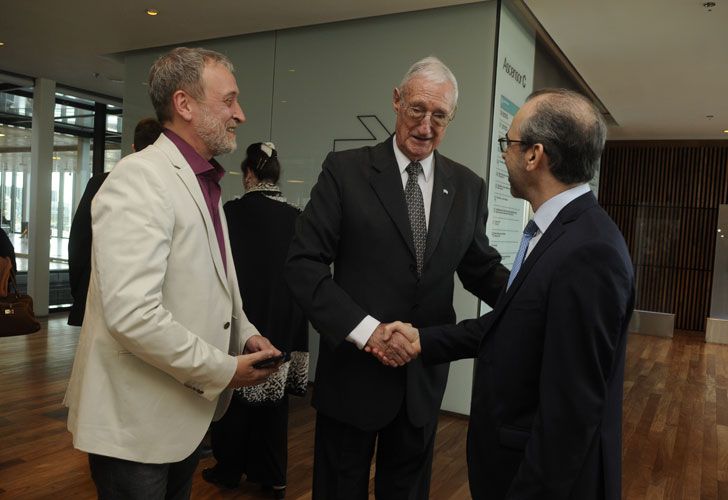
x: 675, y: 419
x: 37, y: 459
x: 675, y: 425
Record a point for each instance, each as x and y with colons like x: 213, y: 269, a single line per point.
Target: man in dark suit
x: 545, y: 420
x: 360, y: 220
x: 79, y: 241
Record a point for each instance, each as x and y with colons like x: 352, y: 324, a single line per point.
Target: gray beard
x: 215, y: 137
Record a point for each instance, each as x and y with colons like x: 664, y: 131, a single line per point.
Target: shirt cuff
x: 361, y: 333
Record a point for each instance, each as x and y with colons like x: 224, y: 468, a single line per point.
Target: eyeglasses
x: 418, y: 114
x: 504, y: 142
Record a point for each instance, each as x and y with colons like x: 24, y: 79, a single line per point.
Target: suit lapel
x: 188, y: 178
x: 443, y: 194
x: 558, y: 227
x: 387, y: 184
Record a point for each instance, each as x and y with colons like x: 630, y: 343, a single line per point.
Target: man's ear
x: 536, y: 157
x: 395, y: 99
x: 182, y: 104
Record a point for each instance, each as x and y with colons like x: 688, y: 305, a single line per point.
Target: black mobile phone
x: 268, y: 362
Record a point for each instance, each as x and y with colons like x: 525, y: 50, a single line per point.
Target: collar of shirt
x: 403, y: 161
x: 547, y: 212
x: 199, y: 165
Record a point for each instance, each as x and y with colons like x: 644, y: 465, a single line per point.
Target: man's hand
x: 377, y: 343
x: 246, y: 374
x: 259, y: 343
x: 259, y: 349
x: 396, y: 344
x: 402, y: 338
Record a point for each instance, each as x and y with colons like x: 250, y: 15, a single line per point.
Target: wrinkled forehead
x: 421, y: 88
x: 218, y: 80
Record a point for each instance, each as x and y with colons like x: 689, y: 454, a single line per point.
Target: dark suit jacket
x: 357, y: 219
x: 79, y: 250
x: 260, y: 231
x: 546, y: 412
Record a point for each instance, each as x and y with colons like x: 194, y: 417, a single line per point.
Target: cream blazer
x: 163, y: 319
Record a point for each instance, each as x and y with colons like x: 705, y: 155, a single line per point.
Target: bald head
x: 571, y: 130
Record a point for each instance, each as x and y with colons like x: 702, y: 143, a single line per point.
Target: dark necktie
x: 416, y: 212
x: 528, y: 233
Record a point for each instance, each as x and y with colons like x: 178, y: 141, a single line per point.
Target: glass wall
x: 14, y: 169
x: 114, y: 126
x: 72, y: 167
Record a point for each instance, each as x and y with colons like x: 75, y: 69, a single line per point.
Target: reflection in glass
x: 112, y: 155
x: 18, y: 203
x: 16, y: 105
x: 55, y: 189
x: 719, y: 295
x: 71, y: 167
x: 6, y: 197
x: 67, y: 203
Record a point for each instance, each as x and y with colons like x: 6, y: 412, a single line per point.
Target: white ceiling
x: 72, y: 41
x: 659, y: 66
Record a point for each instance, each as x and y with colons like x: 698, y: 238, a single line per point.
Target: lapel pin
x: 445, y: 191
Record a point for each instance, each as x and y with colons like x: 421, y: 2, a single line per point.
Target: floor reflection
x: 58, y: 252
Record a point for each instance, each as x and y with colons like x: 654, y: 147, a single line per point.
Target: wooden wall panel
x: 664, y: 196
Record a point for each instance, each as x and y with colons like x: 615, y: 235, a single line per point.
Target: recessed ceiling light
x: 2, y: 44
x: 725, y: 131
x: 295, y: 181
x: 152, y: 12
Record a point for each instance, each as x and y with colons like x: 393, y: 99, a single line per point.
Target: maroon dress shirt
x: 208, y: 174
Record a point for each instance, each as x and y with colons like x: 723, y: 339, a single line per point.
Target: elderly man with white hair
x: 397, y: 220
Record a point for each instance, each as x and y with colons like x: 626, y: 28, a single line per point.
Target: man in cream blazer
x: 164, y: 324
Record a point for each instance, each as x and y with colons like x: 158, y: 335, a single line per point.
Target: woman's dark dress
x: 252, y: 437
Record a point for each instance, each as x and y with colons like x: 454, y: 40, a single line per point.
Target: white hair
x: 434, y: 70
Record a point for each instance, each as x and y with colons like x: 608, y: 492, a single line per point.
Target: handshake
x: 394, y: 344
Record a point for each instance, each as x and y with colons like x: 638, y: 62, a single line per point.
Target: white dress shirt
x: 547, y: 212
x: 361, y: 333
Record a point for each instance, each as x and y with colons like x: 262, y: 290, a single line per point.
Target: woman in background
x: 6, y: 252
x: 7, y: 249
x: 252, y: 437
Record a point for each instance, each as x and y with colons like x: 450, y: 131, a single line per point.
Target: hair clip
x: 267, y: 148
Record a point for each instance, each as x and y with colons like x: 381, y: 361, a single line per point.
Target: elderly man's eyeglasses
x: 504, y: 142
x: 418, y: 114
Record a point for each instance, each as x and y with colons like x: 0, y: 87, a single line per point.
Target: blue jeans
x: 118, y: 479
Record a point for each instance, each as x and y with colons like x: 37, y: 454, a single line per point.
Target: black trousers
x: 252, y: 440
x: 118, y: 479
x: 343, y: 456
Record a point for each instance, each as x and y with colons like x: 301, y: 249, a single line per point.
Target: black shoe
x: 212, y: 475
x: 278, y: 492
x: 205, y: 450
